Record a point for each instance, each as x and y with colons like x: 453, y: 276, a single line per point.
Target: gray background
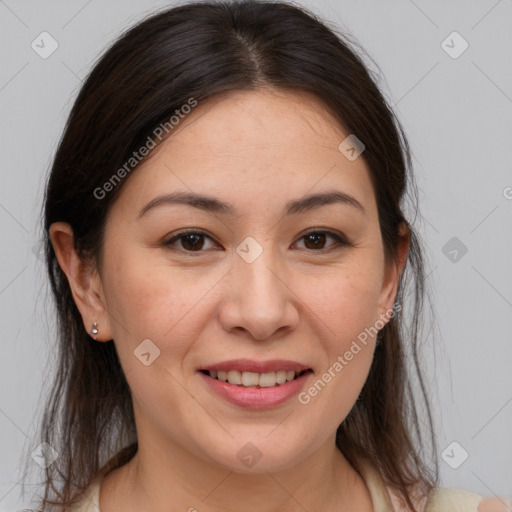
x: 457, y: 115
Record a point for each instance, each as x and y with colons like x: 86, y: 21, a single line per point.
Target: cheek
x: 164, y: 306
x: 345, y: 300
x: 155, y: 302
x: 345, y: 305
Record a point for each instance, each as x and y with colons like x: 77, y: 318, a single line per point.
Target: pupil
x: 316, y: 237
x: 195, y: 239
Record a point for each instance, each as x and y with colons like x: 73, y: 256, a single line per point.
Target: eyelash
x: 341, y: 241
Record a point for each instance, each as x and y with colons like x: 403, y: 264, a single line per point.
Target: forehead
x: 252, y: 146
x: 269, y: 117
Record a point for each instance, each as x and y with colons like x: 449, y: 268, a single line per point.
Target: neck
x: 155, y: 479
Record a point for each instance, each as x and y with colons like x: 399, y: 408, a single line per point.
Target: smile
x: 258, y: 380
x: 255, y: 385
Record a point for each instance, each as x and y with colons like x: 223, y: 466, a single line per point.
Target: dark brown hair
x: 199, y: 50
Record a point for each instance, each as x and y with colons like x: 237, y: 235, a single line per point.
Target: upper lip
x: 249, y: 365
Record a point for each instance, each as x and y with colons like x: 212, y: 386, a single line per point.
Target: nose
x: 259, y: 299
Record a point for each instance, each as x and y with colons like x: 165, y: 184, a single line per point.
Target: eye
x: 191, y: 241
x: 315, y: 240
x: 194, y: 241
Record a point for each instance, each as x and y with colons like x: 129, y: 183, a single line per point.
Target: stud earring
x: 94, y: 329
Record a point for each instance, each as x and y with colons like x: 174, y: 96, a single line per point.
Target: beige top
x: 384, y: 498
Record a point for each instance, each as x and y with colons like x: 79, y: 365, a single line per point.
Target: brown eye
x: 194, y: 241
x: 316, y: 241
x: 190, y: 241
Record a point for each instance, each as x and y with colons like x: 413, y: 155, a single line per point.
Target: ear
x: 393, y: 271
x: 84, y: 281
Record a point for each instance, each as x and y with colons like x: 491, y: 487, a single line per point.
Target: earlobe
x: 83, y: 280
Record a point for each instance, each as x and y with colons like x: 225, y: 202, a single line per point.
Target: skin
x: 256, y: 150
x: 489, y: 504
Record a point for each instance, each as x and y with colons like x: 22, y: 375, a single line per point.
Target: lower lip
x: 256, y: 398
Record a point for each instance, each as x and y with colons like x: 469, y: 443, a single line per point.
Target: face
x: 266, y: 285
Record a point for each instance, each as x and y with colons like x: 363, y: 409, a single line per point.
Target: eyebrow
x: 214, y: 205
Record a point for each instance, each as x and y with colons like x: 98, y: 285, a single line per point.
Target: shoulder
x: 90, y: 499
x: 495, y: 505
x: 441, y: 499
x: 455, y: 500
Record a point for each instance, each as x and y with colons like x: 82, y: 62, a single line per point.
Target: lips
x: 246, y: 379
x: 256, y: 384
x: 249, y: 365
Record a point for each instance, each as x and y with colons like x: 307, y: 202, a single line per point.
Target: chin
x: 258, y: 456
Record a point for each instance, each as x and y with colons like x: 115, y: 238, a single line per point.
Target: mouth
x: 254, y: 379
x: 255, y: 385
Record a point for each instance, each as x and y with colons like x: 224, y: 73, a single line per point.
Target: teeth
x: 281, y: 376
x: 267, y: 380
x: 264, y: 380
x: 249, y: 378
x: 234, y: 377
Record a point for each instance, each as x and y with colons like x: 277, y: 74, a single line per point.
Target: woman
x: 228, y: 254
